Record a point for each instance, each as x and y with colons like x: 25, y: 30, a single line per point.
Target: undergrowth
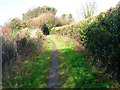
x: 33, y: 72
x: 75, y: 71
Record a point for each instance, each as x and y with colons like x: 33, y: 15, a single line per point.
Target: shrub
x: 37, y: 11
x: 45, y: 19
x: 15, y: 24
x: 5, y: 30
x: 101, y: 36
x: 19, y: 44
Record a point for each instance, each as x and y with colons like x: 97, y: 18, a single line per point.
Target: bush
x: 45, y: 19
x: 37, y: 11
x: 103, y: 39
x: 5, y: 31
x: 101, y: 36
x: 75, y: 31
x: 19, y: 44
x: 19, y: 48
x: 15, y: 24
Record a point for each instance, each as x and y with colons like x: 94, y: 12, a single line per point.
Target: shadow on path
x: 53, y: 76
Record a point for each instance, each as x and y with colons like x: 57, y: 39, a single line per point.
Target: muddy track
x: 53, y: 76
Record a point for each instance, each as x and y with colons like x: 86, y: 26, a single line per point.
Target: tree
x: 44, y: 20
x: 63, y: 16
x: 66, y: 19
x: 37, y: 11
x: 50, y: 9
x: 118, y: 4
x: 89, y: 9
x: 70, y: 18
x: 63, y: 19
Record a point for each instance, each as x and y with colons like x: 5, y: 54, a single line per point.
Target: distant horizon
x: 12, y: 8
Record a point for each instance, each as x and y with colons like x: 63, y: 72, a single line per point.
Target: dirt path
x: 53, y: 76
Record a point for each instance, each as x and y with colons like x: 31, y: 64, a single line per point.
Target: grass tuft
x: 75, y: 71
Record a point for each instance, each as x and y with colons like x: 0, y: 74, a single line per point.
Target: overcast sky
x: 15, y: 8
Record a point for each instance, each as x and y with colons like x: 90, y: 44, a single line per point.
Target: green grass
x: 74, y: 69
x: 34, y: 71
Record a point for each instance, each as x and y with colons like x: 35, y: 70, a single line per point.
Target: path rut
x: 53, y: 75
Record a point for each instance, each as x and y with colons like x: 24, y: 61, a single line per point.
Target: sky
x: 15, y: 8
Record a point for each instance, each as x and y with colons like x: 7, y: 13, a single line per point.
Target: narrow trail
x: 53, y: 76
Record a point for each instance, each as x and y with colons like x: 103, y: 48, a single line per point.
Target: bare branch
x: 89, y: 9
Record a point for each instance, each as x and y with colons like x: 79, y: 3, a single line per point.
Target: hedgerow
x: 19, y: 44
x: 100, y: 35
x: 102, y: 40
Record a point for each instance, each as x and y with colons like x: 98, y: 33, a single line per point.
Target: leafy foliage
x: 66, y: 19
x: 35, y: 12
x: 45, y: 19
x: 75, y: 70
x: 101, y: 36
x: 19, y: 44
x: 32, y: 72
x: 15, y: 24
x: 76, y: 31
x: 24, y: 23
x: 5, y: 30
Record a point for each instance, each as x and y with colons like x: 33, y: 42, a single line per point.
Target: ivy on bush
x: 101, y: 36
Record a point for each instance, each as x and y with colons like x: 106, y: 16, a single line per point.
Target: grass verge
x: 75, y: 71
x: 34, y: 71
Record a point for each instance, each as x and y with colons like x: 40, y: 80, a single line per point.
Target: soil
x: 53, y: 76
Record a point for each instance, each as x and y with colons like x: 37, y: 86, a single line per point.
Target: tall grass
x: 16, y: 47
x: 75, y: 69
